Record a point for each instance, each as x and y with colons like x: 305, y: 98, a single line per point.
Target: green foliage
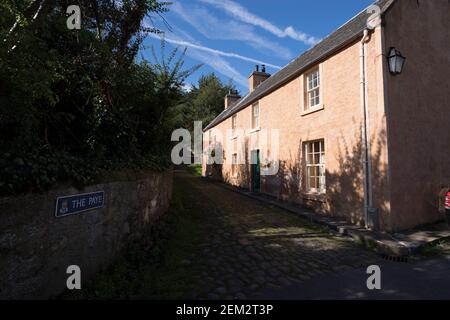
x: 205, y: 101
x: 74, y: 103
x: 195, y: 169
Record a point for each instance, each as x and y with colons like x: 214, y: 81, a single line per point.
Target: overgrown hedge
x: 40, y: 171
x: 75, y: 103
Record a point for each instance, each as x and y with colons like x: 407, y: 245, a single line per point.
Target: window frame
x: 233, y: 125
x: 256, y: 119
x: 311, y: 77
x: 320, y: 166
x: 306, y: 106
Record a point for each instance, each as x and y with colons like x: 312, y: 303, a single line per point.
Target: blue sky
x: 230, y: 36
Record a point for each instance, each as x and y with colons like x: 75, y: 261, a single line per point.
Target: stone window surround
x: 304, y: 91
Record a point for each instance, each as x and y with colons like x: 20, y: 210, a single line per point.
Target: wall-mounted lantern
x: 396, y: 61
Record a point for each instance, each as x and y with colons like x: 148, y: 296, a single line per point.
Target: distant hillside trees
x: 205, y: 100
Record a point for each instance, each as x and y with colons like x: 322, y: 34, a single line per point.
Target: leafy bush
x: 74, y: 103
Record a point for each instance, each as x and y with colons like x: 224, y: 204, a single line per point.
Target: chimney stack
x: 257, y: 77
x: 231, y: 98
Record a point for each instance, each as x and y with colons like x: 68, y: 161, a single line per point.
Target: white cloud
x: 236, y: 10
x: 208, y: 56
x: 214, y: 28
x: 220, y: 65
x: 187, y: 87
x: 215, y: 51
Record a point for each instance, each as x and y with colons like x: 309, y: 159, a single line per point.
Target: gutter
x: 366, y: 159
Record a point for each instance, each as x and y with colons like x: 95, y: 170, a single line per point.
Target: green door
x: 256, y: 171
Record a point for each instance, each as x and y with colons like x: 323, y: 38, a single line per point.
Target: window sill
x: 314, y: 196
x: 312, y: 110
x: 255, y: 130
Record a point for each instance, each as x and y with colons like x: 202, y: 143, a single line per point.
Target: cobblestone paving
x: 247, y: 247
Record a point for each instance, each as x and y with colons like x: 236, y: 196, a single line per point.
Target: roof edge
x: 298, y: 72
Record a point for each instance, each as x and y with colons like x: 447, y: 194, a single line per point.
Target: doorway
x: 255, y: 171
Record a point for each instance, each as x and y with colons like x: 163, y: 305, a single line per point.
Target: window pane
x: 314, y: 98
x: 310, y: 158
x: 317, y: 146
x: 316, y: 158
x: 317, y: 182
x: 315, y: 168
x: 313, y: 80
x: 312, y: 183
x: 322, y: 171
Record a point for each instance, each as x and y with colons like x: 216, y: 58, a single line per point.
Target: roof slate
x: 344, y: 35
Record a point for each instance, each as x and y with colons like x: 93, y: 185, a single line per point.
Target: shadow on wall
x: 214, y: 171
x: 345, y: 194
x: 289, y: 177
x: 239, y: 177
x: 345, y: 187
x: 243, y: 177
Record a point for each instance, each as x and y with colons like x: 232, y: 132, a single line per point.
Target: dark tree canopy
x: 74, y: 103
x: 205, y: 101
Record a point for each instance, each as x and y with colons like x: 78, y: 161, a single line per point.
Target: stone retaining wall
x: 36, y: 247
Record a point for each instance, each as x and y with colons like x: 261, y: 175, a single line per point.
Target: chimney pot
x: 231, y: 97
x: 256, y: 78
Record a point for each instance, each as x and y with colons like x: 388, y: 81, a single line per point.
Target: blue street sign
x: 78, y: 203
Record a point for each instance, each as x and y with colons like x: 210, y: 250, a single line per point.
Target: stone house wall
x: 36, y: 247
x: 408, y: 124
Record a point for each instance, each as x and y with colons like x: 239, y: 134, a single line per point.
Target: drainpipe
x: 366, y: 161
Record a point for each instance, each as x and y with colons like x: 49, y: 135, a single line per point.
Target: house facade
x: 356, y: 139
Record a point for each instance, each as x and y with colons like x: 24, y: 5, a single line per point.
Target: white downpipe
x: 367, y: 168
